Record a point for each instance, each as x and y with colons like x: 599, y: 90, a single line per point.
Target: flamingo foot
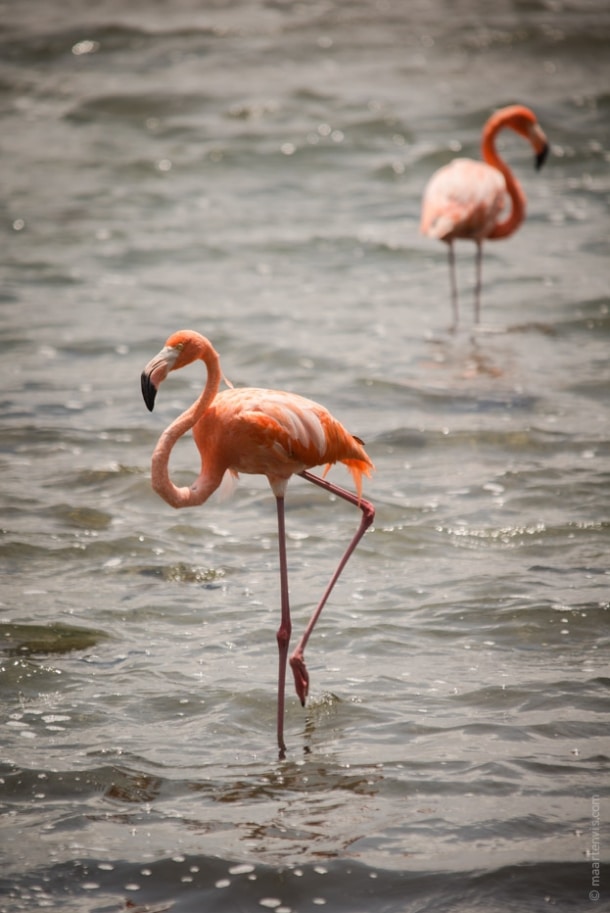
x: 301, y: 676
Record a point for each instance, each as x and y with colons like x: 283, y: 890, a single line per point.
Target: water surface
x: 254, y: 170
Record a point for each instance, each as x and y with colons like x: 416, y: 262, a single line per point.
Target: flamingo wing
x: 288, y: 428
x: 463, y: 200
x: 277, y: 434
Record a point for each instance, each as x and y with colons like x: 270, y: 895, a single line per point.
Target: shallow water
x: 254, y: 170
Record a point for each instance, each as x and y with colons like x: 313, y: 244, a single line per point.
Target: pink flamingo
x: 267, y: 432
x: 465, y: 198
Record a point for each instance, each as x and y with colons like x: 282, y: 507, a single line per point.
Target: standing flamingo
x: 267, y: 432
x: 465, y: 198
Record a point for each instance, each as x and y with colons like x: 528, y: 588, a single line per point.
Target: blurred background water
x: 254, y: 170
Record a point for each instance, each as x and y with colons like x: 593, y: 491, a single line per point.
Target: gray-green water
x: 254, y: 170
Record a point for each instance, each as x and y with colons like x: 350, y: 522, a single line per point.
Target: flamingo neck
x: 161, y: 482
x: 518, y: 200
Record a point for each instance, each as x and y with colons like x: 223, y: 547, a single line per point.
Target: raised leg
x: 285, y: 628
x: 453, y: 286
x: 297, y: 659
x: 477, y: 287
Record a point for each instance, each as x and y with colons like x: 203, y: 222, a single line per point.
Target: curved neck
x: 518, y: 200
x: 161, y: 482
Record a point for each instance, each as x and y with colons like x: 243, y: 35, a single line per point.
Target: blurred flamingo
x: 465, y: 198
x: 270, y: 432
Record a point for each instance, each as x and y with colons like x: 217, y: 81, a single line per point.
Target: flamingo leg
x: 453, y: 285
x: 297, y: 659
x: 478, y: 282
x: 285, y: 628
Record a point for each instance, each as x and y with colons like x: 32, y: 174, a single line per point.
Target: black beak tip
x: 149, y: 391
x: 541, y: 157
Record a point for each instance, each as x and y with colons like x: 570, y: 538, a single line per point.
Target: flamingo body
x: 467, y: 198
x: 273, y: 433
x: 463, y: 199
x: 267, y: 432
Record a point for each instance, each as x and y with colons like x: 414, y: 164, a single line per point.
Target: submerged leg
x: 453, y: 286
x: 297, y: 660
x: 477, y: 287
x: 285, y: 628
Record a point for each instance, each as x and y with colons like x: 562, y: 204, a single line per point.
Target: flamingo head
x: 181, y: 349
x: 524, y: 122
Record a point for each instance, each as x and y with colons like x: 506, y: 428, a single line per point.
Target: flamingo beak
x: 155, y: 372
x: 149, y: 391
x: 541, y: 156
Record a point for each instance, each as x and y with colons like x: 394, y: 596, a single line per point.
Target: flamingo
x: 465, y: 198
x: 268, y: 432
